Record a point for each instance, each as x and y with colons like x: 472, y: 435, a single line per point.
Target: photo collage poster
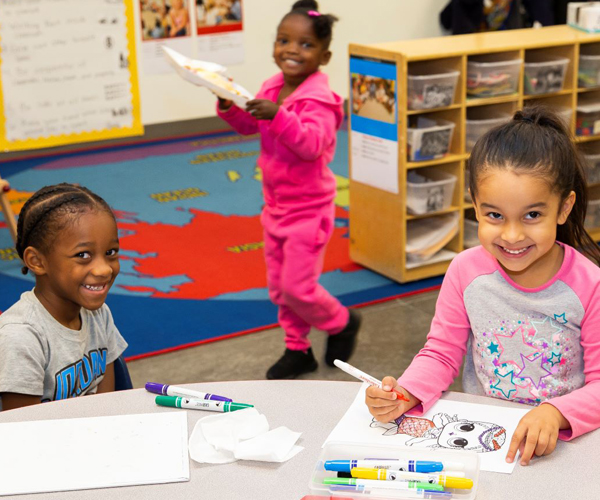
x: 207, y: 30
x: 374, y: 123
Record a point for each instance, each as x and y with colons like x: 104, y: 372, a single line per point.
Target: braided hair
x: 49, y: 210
x: 322, y: 23
x: 537, y: 142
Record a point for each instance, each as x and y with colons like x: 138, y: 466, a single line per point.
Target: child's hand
x: 224, y: 104
x: 537, y: 432
x: 262, y: 109
x: 384, y: 404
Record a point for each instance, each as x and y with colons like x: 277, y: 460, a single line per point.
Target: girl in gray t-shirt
x: 59, y: 340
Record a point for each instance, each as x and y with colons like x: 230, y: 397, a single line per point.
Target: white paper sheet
x: 493, y: 427
x: 98, y: 452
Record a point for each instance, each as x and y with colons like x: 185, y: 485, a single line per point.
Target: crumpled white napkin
x: 241, y: 435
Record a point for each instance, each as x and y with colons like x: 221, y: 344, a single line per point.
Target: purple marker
x: 173, y: 390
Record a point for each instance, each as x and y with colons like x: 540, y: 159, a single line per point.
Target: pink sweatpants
x: 294, y: 250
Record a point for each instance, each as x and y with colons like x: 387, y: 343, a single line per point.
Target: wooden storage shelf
x: 378, y: 214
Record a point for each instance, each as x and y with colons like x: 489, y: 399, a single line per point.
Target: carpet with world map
x: 192, y: 267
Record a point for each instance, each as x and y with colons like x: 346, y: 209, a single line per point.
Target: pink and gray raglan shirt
x: 528, y: 345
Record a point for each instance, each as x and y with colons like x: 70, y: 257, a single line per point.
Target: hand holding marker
x: 355, y: 372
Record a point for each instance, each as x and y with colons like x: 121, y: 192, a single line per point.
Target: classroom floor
x: 391, y: 334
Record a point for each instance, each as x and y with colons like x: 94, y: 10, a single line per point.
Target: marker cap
x: 156, y: 388
x: 338, y: 465
x: 239, y: 406
x: 461, y: 483
x: 170, y: 401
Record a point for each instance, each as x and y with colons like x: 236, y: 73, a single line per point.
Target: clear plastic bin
x: 490, y: 78
x: 335, y: 450
x: 428, y: 139
x: 428, y: 87
x: 429, y: 190
x: 589, y: 71
x: 470, y: 238
x: 592, y: 168
x: 544, y: 75
x: 592, y: 217
x: 588, y: 119
x: 477, y: 124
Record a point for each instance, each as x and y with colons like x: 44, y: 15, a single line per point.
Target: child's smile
x: 517, y: 224
x: 297, y: 51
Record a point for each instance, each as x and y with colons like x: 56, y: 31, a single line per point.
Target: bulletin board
x: 68, y: 72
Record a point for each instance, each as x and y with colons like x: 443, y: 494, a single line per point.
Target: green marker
x: 200, y: 404
x: 388, y: 485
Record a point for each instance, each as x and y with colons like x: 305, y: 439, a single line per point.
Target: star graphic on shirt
x: 513, y: 345
x: 522, y: 391
x: 493, y: 347
x: 545, y: 329
x: 554, y: 359
x: 504, y: 384
x: 533, y: 370
x: 561, y: 318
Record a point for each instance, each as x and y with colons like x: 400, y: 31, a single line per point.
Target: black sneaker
x: 292, y: 364
x: 341, y: 345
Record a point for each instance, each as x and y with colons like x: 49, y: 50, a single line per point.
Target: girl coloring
x: 59, y: 340
x: 297, y: 116
x: 524, y: 307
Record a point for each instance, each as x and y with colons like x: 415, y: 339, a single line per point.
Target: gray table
x: 313, y: 408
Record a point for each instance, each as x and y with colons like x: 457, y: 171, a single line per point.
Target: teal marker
x: 200, y: 404
x: 388, y: 485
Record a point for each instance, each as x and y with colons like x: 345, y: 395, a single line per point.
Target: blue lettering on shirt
x: 76, y: 378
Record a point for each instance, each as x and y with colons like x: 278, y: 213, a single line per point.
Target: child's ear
x: 35, y: 261
x: 325, y: 57
x: 566, y: 207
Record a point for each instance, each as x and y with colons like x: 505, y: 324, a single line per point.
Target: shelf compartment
x: 434, y: 84
x: 483, y: 118
x: 561, y: 103
x: 493, y: 75
x: 548, y: 70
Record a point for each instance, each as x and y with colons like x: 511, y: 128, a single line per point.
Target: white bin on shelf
x: 486, y: 77
x: 429, y: 190
x: 429, y: 139
x: 476, y: 127
x: 588, y: 74
x: 470, y: 238
x: 431, y: 87
x: 544, y: 74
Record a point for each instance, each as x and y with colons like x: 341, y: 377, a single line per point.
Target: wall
x: 167, y: 98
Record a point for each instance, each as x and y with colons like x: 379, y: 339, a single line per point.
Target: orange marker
x: 355, y: 372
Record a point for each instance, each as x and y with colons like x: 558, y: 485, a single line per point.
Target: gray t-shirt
x: 41, y: 357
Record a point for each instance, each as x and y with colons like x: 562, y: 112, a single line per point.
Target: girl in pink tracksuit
x: 297, y: 116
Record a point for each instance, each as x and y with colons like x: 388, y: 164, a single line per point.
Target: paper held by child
x: 209, y: 75
x: 454, y: 425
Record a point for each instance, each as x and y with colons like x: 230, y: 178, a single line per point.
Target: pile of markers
x: 409, y: 478
x: 181, y: 397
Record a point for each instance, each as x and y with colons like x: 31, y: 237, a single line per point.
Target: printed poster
x: 374, y: 123
x: 453, y: 425
x: 68, y: 72
x: 208, y: 30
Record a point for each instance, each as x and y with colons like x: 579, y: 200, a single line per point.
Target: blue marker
x: 172, y: 390
x: 388, y: 464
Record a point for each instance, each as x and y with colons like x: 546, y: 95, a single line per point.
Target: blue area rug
x: 192, y: 267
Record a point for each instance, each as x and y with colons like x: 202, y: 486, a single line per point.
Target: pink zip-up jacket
x: 297, y: 145
x: 529, y: 345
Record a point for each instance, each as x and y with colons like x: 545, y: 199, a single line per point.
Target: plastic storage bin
x: 429, y: 190
x: 592, y: 167
x: 588, y: 118
x: 335, y: 450
x: 429, y: 87
x: 544, y: 75
x: 470, y: 238
x: 477, y: 125
x: 428, y: 139
x: 588, y: 74
x: 491, y: 78
x: 592, y: 217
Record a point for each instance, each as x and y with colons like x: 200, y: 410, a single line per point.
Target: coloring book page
x: 454, y: 425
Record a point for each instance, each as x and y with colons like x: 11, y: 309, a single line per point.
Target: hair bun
x: 542, y: 116
x: 306, y: 4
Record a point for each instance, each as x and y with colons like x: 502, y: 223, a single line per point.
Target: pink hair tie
x: 313, y: 13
